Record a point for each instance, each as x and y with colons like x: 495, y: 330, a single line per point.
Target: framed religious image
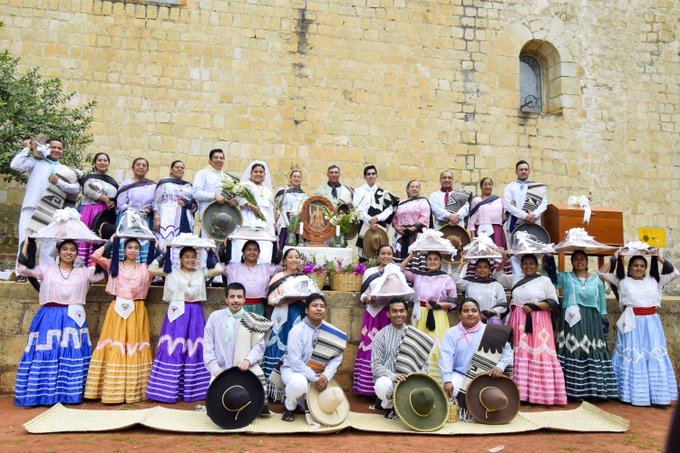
x: 316, y: 226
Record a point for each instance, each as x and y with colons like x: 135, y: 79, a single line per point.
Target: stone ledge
x: 344, y: 311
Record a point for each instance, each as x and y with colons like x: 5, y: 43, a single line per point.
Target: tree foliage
x: 30, y: 105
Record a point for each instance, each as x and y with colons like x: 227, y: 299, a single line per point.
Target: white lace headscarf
x: 267, y: 178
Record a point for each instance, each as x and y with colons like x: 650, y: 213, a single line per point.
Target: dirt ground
x: 648, y: 430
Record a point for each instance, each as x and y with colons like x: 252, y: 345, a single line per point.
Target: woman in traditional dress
x: 643, y: 369
x: 537, y: 372
x: 178, y: 370
x: 487, y: 215
x: 173, y: 207
x: 288, y: 202
x: 54, y: 364
x: 251, y: 274
x: 256, y: 177
x: 435, y: 293
x: 488, y: 293
x: 412, y: 215
x: 287, y: 313
x: 581, y: 346
x: 137, y: 193
x: 99, y: 193
x: 374, y: 319
x: 121, y: 363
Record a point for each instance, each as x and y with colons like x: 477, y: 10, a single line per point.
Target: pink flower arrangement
x: 337, y: 267
x: 310, y: 267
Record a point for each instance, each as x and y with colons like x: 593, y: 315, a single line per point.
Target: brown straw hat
x: 492, y: 401
x: 373, y: 240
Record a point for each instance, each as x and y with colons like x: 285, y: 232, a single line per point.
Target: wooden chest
x: 606, y: 223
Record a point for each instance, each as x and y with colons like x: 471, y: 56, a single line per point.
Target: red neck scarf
x: 446, y: 194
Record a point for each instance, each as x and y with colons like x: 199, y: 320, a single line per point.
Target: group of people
x: 172, y: 204
x: 548, y: 355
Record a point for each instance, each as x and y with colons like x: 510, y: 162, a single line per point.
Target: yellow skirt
x: 441, y: 320
x: 121, y: 363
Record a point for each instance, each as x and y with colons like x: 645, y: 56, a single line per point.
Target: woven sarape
x: 487, y: 356
x: 414, y: 351
x: 536, y: 192
x: 330, y: 343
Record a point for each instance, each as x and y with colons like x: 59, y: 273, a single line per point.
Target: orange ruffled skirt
x: 121, y: 362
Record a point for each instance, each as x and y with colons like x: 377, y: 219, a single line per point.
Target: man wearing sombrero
x: 314, y: 354
x: 376, y: 206
x: 460, y: 344
x: 476, y: 366
x: 397, y: 352
x: 236, y: 338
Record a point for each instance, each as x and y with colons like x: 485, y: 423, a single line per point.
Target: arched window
x: 530, y: 84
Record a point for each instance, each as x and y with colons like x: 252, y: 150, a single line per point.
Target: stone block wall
x: 344, y: 311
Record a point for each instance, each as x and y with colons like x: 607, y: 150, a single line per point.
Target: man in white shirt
x: 206, y: 188
x: 41, y: 173
x: 525, y: 201
x: 333, y: 190
x: 376, y: 206
x: 296, y: 374
x: 235, y: 337
x: 449, y: 206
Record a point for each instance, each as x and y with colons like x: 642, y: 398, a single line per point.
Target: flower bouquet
x: 292, y: 228
x: 316, y: 271
x: 346, y: 277
x: 344, y: 219
x: 232, y: 187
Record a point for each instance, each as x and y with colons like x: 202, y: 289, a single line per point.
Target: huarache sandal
x: 288, y: 416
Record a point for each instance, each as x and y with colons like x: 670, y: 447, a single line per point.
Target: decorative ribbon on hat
x: 582, y: 202
x: 410, y: 401
x: 63, y: 215
x: 239, y: 409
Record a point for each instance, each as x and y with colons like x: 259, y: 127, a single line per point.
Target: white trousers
x: 47, y: 250
x: 384, y: 388
x: 296, y: 388
x: 457, y: 380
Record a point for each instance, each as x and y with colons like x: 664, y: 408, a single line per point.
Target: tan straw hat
x: 329, y: 407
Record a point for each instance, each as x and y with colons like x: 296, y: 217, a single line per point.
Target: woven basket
x: 319, y: 279
x: 453, y: 411
x: 346, y: 281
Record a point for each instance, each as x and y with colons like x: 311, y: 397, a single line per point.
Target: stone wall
x: 344, y: 311
x: 413, y: 86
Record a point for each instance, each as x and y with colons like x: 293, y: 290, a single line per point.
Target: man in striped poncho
x: 313, y: 355
x: 398, y: 350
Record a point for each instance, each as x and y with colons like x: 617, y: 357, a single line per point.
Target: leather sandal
x: 288, y: 416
